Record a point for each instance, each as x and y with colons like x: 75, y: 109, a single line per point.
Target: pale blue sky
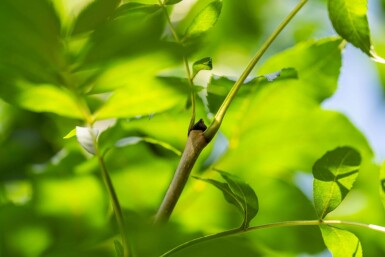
x: 360, y: 95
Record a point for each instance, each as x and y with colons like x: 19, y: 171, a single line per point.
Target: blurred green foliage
x: 63, y: 62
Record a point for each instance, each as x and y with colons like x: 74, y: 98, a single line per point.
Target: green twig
x: 114, y: 198
x: 190, y: 78
x: 232, y: 232
x: 213, y: 128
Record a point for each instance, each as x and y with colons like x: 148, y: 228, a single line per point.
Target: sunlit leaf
x: 87, y: 138
x: 219, y: 86
x: 350, y: 20
x: 125, y: 103
x: 239, y: 194
x: 319, y: 59
x: 70, y: 134
x: 94, y: 15
x: 202, y: 64
x: 334, y: 176
x: 205, y: 20
x: 44, y: 98
x: 128, y: 72
x: 341, y: 243
x: 137, y: 89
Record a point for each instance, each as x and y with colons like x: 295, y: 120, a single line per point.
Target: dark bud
x: 200, y: 125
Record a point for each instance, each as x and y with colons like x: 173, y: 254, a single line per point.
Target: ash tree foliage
x: 107, y: 106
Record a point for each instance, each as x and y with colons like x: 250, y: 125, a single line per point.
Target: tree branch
x: 195, y: 144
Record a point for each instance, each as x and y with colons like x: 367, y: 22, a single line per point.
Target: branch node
x: 200, y: 125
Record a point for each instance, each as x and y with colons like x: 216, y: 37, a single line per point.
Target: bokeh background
x: 52, y: 200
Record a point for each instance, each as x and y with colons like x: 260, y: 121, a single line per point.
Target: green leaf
x: 316, y: 62
x: 341, y: 243
x: 202, y: 64
x: 219, y: 86
x: 227, y: 193
x: 349, y: 19
x: 137, y: 89
x: 382, y: 184
x: 125, y: 103
x: 334, y: 176
x: 44, y: 98
x: 285, y: 119
x: 70, y: 134
x: 94, y: 15
x: 171, y: 2
x: 205, y: 20
x: 245, y: 195
x: 130, y: 71
x: 119, y: 249
x: 239, y: 194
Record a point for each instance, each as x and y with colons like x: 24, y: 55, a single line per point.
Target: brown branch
x: 195, y: 144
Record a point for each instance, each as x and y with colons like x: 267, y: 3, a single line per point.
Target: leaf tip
x: 70, y: 134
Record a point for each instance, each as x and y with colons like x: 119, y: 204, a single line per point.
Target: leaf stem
x: 236, y: 231
x: 89, y: 119
x: 356, y: 224
x: 193, y: 96
x: 213, y: 128
x: 190, y: 78
x: 114, y: 198
x: 173, y: 31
